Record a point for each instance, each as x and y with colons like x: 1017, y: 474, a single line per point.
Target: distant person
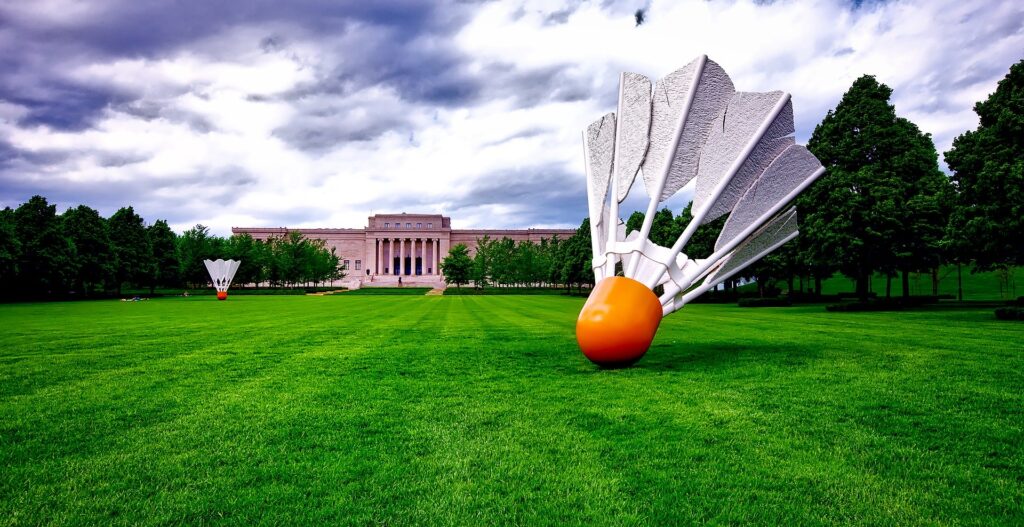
x: 399, y: 281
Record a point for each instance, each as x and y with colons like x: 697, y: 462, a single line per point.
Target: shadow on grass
x: 723, y: 356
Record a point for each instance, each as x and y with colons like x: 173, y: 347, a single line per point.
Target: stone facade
x: 401, y: 245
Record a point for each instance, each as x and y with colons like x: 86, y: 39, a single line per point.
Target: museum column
x: 398, y: 255
x: 380, y: 255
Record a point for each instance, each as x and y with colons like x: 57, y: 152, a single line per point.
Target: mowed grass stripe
x: 470, y: 410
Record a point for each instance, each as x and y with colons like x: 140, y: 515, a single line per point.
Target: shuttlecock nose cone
x: 222, y: 295
x: 618, y: 322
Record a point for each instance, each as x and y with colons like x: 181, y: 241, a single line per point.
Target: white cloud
x: 237, y: 130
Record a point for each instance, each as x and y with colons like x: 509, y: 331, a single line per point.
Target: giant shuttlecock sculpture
x: 221, y: 273
x: 737, y: 147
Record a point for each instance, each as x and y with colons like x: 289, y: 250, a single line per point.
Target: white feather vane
x: 222, y: 272
x: 692, y: 125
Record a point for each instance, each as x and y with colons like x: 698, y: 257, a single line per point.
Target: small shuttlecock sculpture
x: 737, y: 147
x: 221, y: 273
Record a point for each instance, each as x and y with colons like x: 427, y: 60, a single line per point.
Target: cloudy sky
x: 318, y: 113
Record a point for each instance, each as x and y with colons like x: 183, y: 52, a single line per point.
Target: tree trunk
x: 888, y: 286
x: 790, y: 292
x: 906, y: 284
x: 959, y: 284
x: 817, y: 285
x: 862, y: 285
x: 935, y: 281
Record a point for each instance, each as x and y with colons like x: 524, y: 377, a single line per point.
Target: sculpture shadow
x: 723, y: 356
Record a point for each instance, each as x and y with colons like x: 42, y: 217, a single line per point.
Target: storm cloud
x: 316, y: 113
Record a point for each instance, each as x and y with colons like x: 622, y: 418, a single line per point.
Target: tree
x: 194, y: 246
x: 10, y: 250
x: 131, y: 247
x: 922, y: 203
x: 577, y: 258
x: 481, y: 271
x: 988, y: 177
x: 881, y: 180
x: 322, y: 264
x: 290, y: 256
x: 702, y: 243
x: 46, y: 261
x: 457, y: 266
x: 252, y: 255
x: 88, y: 232
x: 164, y: 256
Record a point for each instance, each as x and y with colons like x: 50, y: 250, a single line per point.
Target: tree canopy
x: 878, y: 206
x: 457, y: 266
x: 988, y: 177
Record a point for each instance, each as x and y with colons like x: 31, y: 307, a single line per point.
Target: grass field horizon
x: 481, y: 410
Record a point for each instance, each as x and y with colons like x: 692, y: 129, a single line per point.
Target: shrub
x: 864, y: 306
x: 764, y: 302
x: 1010, y: 313
x: 809, y: 296
x: 847, y: 294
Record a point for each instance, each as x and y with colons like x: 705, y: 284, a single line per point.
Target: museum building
x: 406, y: 246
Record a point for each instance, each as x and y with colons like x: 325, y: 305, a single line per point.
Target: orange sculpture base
x: 618, y: 322
x: 222, y: 295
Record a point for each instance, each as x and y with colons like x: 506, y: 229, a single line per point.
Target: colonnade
x: 429, y: 252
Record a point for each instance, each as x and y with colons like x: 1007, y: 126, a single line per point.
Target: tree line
x: 80, y: 252
x: 505, y: 263
x: 883, y: 206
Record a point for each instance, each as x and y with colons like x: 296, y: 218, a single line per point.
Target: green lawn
x: 989, y: 285
x: 404, y: 410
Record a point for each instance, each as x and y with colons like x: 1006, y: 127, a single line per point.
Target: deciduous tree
x: 457, y: 266
x: 46, y: 261
x: 131, y: 247
x: 988, y: 176
x: 88, y: 232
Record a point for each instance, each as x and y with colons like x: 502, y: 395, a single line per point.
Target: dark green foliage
x: 131, y: 248
x: 163, y: 244
x: 879, y: 206
x: 457, y: 266
x: 576, y: 256
x: 194, y: 246
x: 295, y: 259
x: 988, y: 173
x: 505, y: 263
x: 702, y: 243
x: 1010, y: 313
x: 88, y: 232
x: 253, y: 255
x: 46, y: 258
x: 851, y: 307
x: 10, y: 250
x: 664, y: 228
x: 482, y: 270
x: 765, y: 302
